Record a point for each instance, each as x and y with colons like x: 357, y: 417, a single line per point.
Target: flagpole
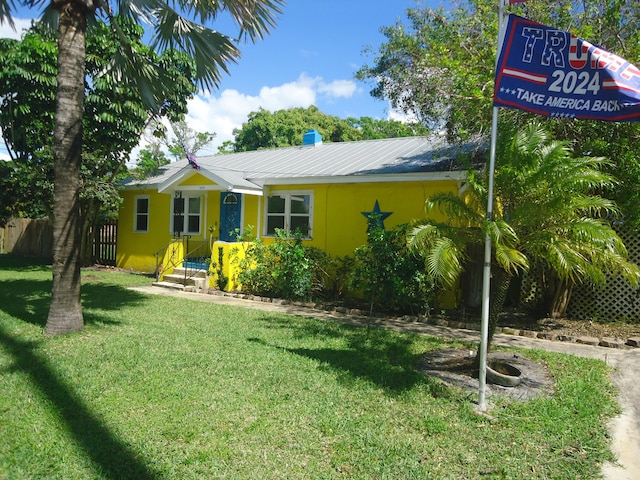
x: 486, y: 273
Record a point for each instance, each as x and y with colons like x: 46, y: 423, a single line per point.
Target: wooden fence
x: 34, y: 237
x: 27, y: 236
x: 104, y: 244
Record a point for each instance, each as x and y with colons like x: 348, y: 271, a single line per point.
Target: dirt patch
x: 454, y: 367
x: 567, y: 326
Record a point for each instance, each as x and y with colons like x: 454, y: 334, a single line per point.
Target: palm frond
x: 183, y: 25
x: 510, y: 259
x: 458, y: 211
x: 444, y: 256
x: 6, y: 6
x: 444, y: 261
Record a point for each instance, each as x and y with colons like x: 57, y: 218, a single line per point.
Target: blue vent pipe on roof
x: 312, y: 137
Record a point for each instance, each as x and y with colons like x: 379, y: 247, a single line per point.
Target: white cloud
x: 339, y: 88
x: 221, y: 113
x: 20, y: 23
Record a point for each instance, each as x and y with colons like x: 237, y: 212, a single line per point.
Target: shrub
x: 389, y: 275
x: 283, y: 269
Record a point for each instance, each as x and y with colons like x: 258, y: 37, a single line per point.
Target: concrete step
x: 200, y: 282
x: 173, y: 286
x: 190, y: 272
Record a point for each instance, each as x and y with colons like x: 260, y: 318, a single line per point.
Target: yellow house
x: 325, y: 190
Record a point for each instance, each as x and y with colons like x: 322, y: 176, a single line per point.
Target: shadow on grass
x: 21, y: 263
x: 379, y: 356
x: 111, y: 457
x: 29, y: 300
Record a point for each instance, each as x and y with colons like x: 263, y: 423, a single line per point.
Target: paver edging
x: 609, y: 342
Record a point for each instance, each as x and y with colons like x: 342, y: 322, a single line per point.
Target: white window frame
x: 288, y: 195
x: 136, y: 213
x: 186, y: 214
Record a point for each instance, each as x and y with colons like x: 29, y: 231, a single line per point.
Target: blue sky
x: 310, y: 58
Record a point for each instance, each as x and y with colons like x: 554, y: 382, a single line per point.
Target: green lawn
x: 162, y: 387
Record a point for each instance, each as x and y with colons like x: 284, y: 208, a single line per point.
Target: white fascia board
x: 140, y: 186
x: 246, y: 191
x: 172, y: 182
x: 398, y: 177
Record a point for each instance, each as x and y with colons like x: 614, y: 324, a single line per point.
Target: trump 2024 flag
x: 550, y: 72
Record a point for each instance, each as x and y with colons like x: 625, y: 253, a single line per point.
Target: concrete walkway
x: 624, y: 429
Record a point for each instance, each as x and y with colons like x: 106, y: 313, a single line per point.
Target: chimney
x: 312, y: 137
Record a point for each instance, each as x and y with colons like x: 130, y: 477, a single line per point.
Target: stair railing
x: 191, y: 261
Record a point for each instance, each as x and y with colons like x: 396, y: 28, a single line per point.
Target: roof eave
x: 369, y: 178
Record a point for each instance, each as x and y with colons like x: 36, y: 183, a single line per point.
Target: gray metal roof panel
x: 367, y: 157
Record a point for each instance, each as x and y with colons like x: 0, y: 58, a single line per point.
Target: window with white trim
x: 141, y: 214
x: 290, y: 211
x: 186, y: 214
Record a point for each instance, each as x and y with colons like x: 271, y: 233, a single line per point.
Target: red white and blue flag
x: 192, y: 161
x: 550, y: 72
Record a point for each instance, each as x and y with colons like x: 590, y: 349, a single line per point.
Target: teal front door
x: 230, y: 204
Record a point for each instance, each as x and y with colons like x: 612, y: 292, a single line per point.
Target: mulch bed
x: 454, y: 367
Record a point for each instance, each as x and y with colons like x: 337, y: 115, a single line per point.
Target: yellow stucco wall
x: 231, y: 253
x: 136, y: 250
x: 338, y: 224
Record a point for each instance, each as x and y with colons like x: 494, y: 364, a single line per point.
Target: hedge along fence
x: 26, y: 236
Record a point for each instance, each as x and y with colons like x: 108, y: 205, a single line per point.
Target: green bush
x: 389, y: 275
x: 384, y: 271
x: 283, y: 269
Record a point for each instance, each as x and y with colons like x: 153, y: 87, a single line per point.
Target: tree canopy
x: 114, y: 116
x: 438, y: 65
x: 181, y: 26
x: 549, y: 221
x: 184, y: 139
x: 285, y: 128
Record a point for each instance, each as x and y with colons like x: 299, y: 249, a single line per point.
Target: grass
x: 166, y: 388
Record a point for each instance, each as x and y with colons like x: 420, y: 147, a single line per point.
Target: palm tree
x: 548, y: 213
x: 447, y: 246
x: 181, y: 25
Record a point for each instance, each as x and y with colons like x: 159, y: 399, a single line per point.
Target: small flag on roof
x: 192, y: 161
x: 190, y: 157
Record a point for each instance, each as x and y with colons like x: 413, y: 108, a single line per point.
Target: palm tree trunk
x: 65, y: 313
x: 556, y: 294
x: 499, y: 289
x: 561, y: 298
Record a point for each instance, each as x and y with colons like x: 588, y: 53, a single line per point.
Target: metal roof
x: 390, y: 156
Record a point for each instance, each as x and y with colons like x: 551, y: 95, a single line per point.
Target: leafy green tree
x: 154, y: 156
x: 150, y: 160
x: 545, y: 214
x: 113, y: 119
x: 186, y: 138
x: 373, y: 128
x: 7, y: 193
x: 27, y: 101
x: 211, y: 51
x: 285, y: 128
x: 438, y: 65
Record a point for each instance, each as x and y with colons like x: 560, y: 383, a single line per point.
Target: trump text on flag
x: 551, y: 72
